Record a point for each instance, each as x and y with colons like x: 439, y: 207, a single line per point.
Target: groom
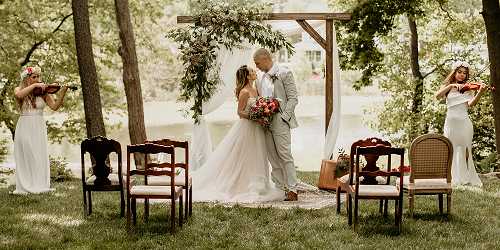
x: 278, y: 82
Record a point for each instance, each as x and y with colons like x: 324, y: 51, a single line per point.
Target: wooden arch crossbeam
x: 325, y: 43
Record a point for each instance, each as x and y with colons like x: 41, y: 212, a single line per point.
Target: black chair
x: 101, y: 179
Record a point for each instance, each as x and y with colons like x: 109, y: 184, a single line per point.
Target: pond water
x: 164, y: 121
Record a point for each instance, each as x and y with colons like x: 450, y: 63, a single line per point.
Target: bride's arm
x: 242, y: 103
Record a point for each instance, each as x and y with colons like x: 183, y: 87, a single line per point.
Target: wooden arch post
x: 326, y: 44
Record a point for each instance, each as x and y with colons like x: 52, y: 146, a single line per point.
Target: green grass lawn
x: 56, y: 221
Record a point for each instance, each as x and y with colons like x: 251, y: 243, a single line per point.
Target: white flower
x: 458, y: 64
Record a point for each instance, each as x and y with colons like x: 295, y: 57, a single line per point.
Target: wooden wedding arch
x: 327, y: 44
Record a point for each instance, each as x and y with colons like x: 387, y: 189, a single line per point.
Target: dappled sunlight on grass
x: 53, y: 219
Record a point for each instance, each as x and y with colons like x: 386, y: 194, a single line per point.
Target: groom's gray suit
x: 278, y: 138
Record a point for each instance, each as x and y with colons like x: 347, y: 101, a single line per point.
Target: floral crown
x: 459, y: 64
x: 29, y: 71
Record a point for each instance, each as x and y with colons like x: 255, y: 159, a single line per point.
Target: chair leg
x: 400, y: 214
x: 386, y: 205
x: 134, y: 211
x: 448, y: 204
x: 380, y: 207
x: 172, y: 216
x: 122, y: 203
x: 84, y: 202
x: 440, y: 200
x: 186, y: 202
x: 338, y: 199
x: 349, y: 210
x: 181, y: 210
x: 411, y: 200
x: 90, y: 202
x: 396, y: 212
x: 355, y: 214
x: 129, y: 215
x: 146, y: 209
x: 190, y: 201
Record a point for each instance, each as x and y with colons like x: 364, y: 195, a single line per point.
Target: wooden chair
x: 171, y: 191
x: 430, y: 160
x: 185, y: 180
x: 101, y: 179
x: 343, y: 182
x: 356, y: 190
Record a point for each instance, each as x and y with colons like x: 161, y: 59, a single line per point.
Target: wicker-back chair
x: 430, y: 160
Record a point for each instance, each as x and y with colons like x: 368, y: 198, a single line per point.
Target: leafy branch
x: 216, y: 25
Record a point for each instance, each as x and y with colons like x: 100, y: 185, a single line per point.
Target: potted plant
x: 343, y: 162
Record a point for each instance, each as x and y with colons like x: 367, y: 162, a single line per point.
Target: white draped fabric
x: 334, y: 123
x: 229, y: 62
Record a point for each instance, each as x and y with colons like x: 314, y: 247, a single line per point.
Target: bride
x: 238, y: 170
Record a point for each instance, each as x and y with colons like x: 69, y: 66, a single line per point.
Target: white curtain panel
x: 334, y: 123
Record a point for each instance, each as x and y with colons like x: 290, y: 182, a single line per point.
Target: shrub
x: 3, y: 149
x: 59, y: 170
x: 488, y: 163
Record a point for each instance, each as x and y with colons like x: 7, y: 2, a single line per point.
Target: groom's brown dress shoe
x: 291, y: 196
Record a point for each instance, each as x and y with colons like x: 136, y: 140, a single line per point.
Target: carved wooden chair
x: 101, y: 179
x: 343, y: 182
x: 430, y: 160
x: 357, y: 190
x: 184, y: 180
x: 171, y: 191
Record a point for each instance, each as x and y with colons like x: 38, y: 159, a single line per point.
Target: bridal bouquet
x: 263, y: 110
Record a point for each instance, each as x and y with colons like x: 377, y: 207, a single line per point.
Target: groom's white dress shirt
x: 267, y: 86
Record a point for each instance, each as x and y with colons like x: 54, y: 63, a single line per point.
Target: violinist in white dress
x: 30, y: 140
x: 458, y: 126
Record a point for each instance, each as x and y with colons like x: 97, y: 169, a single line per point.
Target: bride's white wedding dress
x: 458, y: 128
x: 238, y: 170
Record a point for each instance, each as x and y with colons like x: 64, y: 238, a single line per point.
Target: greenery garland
x: 225, y: 24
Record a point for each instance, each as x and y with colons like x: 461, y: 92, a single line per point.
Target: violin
x: 52, y: 89
x: 474, y: 86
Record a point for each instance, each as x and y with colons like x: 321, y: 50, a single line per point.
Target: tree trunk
x: 131, y: 79
x: 417, y: 77
x: 491, y: 16
x: 86, y: 67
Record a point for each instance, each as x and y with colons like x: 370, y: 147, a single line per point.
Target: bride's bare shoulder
x: 244, y: 94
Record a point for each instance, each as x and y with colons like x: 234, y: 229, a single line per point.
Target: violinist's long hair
x: 30, y: 98
x: 241, y: 79
x: 451, y: 78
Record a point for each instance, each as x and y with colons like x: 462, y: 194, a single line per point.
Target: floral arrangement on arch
x: 218, y: 23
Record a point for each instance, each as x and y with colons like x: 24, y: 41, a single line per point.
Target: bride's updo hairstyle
x: 241, y: 79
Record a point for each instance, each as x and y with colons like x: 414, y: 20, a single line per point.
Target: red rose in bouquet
x: 263, y: 110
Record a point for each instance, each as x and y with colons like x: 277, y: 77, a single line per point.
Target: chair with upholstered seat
x: 430, y: 160
x: 343, y: 182
x: 170, y: 191
x: 184, y: 180
x: 101, y: 179
x: 356, y: 190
